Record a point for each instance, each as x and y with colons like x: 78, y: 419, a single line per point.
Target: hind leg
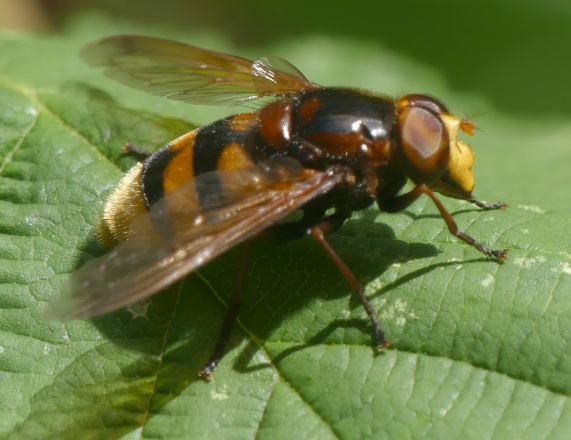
x: 136, y: 151
x: 207, y: 371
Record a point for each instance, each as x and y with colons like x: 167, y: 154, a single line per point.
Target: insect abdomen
x: 220, y: 146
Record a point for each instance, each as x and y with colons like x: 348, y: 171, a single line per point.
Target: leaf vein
x: 260, y: 345
x: 14, y: 150
x: 161, y: 358
x: 43, y: 107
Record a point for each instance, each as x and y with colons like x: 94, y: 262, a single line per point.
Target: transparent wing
x: 187, y: 73
x: 239, y: 204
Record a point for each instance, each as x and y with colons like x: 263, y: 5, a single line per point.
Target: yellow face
x: 458, y: 180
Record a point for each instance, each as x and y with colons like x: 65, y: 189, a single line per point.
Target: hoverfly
x: 324, y: 151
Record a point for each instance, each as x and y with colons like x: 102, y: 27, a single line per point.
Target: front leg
x: 398, y: 203
x: 486, y: 205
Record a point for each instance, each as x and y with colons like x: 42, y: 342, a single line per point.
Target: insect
x: 324, y: 151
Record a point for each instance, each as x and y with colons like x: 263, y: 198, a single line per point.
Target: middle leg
x: 318, y: 234
x: 314, y: 225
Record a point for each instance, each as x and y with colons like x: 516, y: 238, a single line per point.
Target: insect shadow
x: 180, y: 326
x: 284, y: 278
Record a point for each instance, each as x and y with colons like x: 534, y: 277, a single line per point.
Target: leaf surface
x: 479, y: 350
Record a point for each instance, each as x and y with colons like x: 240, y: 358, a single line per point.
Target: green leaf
x: 479, y: 350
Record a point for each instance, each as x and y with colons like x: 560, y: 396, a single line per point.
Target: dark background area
x: 515, y: 54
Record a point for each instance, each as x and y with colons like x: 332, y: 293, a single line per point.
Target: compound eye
x: 426, y: 102
x: 424, y: 142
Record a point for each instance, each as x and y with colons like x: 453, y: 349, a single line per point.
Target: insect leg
x: 318, y: 234
x: 401, y: 202
x: 135, y: 150
x: 207, y: 372
x: 292, y: 231
x: 486, y: 205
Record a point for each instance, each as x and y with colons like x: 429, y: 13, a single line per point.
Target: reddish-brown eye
x: 424, y: 143
x: 417, y: 100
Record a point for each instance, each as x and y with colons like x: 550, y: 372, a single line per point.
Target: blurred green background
x: 513, y: 54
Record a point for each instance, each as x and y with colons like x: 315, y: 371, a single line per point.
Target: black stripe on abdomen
x: 152, y: 176
x: 209, y: 144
